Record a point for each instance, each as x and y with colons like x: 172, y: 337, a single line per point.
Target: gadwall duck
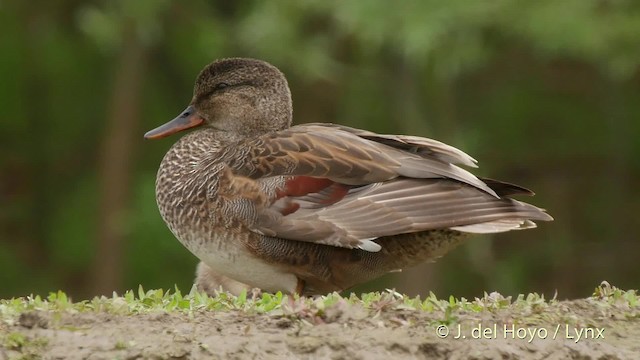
x: 313, y: 208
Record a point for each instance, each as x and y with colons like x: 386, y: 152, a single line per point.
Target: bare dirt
x: 342, y: 332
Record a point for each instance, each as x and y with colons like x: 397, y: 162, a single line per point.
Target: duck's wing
x: 399, y: 206
x: 334, y: 187
x: 343, y: 156
x: 424, y: 147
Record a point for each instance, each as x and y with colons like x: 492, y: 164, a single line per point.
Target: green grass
x: 529, y: 308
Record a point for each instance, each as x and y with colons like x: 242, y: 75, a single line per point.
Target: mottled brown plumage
x: 317, y: 207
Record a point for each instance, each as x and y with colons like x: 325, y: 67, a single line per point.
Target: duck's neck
x: 207, y: 140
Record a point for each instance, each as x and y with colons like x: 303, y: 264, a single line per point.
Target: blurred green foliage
x: 543, y: 93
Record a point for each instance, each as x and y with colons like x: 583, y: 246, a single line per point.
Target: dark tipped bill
x: 189, y: 118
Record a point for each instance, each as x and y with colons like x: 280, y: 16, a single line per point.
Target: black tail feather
x: 506, y: 189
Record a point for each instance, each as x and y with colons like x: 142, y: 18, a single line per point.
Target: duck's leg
x: 299, y: 287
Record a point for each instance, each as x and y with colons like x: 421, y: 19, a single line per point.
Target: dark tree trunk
x: 115, y: 167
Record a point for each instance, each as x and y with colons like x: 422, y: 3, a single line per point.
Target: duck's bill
x: 189, y: 118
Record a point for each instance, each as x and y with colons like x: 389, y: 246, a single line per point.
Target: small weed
x: 15, y: 340
x: 29, y: 347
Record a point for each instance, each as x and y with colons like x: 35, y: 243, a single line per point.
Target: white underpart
x: 496, y: 226
x: 226, y: 257
x: 368, y: 245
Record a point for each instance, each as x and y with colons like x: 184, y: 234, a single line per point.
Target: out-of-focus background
x: 544, y: 93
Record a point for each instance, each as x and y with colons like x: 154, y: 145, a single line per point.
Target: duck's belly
x: 228, y: 257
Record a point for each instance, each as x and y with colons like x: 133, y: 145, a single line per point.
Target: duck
x: 318, y: 207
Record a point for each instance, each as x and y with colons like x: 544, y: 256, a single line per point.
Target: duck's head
x: 247, y: 97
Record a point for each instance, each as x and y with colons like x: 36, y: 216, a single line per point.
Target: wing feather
x: 345, y: 157
x: 414, y: 205
x: 369, y: 185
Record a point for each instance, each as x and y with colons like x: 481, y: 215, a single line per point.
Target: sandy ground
x: 341, y: 332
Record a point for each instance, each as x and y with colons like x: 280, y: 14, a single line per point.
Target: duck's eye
x: 220, y: 86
